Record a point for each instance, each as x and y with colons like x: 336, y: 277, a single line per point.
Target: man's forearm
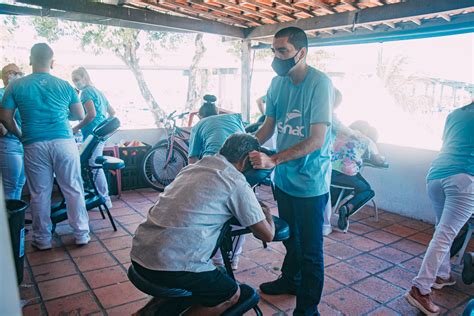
x: 264, y: 134
x: 297, y: 151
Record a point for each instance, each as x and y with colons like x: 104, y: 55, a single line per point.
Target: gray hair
x: 237, y: 147
x: 41, y: 55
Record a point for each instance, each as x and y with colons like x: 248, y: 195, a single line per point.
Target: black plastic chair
x: 93, y: 199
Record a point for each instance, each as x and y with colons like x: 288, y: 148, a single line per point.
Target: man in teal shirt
x: 45, y: 104
x: 299, y: 104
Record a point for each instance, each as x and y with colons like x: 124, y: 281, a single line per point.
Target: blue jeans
x: 303, y: 266
x: 11, y: 167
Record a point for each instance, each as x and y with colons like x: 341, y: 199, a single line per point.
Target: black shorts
x: 209, y: 288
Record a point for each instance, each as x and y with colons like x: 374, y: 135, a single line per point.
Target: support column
x: 245, y: 80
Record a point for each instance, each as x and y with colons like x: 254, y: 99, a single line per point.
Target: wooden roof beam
x: 229, y: 4
x: 222, y: 9
x: 445, y: 17
x: 269, y: 8
x: 380, y: 14
x: 318, y: 4
x: 139, y: 16
x: 290, y: 6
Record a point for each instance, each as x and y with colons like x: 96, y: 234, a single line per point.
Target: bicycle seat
x: 107, y: 127
x: 110, y: 163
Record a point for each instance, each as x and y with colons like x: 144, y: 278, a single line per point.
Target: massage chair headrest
x: 105, y: 129
x: 257, y: 176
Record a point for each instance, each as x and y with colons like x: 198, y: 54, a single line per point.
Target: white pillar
x: 245, y: 80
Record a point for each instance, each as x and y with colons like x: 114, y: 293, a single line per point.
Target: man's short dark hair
x: 237, y: 147
x: 208, y: 109
x: 41, y: 54
x: 296, y: 36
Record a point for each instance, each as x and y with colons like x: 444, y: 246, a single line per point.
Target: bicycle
x: 165, y: 159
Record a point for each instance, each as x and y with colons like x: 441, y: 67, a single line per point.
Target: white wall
x: 401, y: 188
x: 149, y: 135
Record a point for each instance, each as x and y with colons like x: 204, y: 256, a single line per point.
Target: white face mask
x: 13, y: 77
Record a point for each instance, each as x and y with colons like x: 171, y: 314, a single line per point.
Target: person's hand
x: 75, y: 130
x: 3, y: 130
x: 261, y: 161
x: 265, y: 208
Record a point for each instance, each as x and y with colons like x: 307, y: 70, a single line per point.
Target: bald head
x: 41, y: 56
x: 9, y: 70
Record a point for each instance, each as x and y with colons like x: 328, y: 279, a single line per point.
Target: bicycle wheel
x: 154, y: 171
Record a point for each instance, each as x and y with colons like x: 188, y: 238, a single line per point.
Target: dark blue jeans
x: 363, y: 193
x: 303, y: 266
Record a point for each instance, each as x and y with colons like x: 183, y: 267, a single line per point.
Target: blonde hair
x: 82, y: 72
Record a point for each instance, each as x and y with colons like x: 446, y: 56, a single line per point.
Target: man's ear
x: 244, y: 164
x: 303, y: 53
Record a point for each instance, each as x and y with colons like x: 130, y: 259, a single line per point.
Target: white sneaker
x: 235, y: 264
x: 327, y: 230
x: 41, y: 246
x: 108, y: 203
x: 84, y: 240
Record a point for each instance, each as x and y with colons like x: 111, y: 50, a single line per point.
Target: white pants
x: 98, y: 174
x: 43, y: 160
x: 327, y: 213
x: 237, y: 244
x: 453, y: 202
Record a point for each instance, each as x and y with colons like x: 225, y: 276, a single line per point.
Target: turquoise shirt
x: 208, y: 136
x: 43, y: 102
x: 457, y: 154
x: 295, y: 108
x: 101, y: 105
x: 16, y: 115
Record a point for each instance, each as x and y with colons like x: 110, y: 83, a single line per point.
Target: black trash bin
x: 16, y: 220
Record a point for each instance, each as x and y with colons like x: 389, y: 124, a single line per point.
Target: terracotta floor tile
x: 61, y: 287
x: 326, y: 310
x: 127, y: 309
x: 362, y: 243
x: 378, y: 289
x: 118, y: 243
x: 266, y: 309
x: 345, y: 273
x: 131, y: 219
x: 369, y: 263
x: 33, y: 310
x: 338, y: 236
x: 412, y: 265
x: 382, y: 236
x: 401, y: 306
x: 122, y: 211
x: 105, y: 276
x: 398, y: 276
x: 264, y: 256
x: 254, y: 277
x: 99, y: 224
x: 97, y: 261
x: 131, y: 228
x: 122, y: 255
x: 78, y: 304
x: 422, y: 238
x: 341, y: 251
x: 449, y: 297
x: 41, y: 257
x: 118, y: 294
x: 360, y: 229
x: 383, y: 311
x: 252, y: 243
x: 143, y: 208
x: 53, y: 270
x: 278, y: 246
x: 246, y: 264
x: 329, y: 260
x: 460, y: 286
x: 91, y: 248
x: 107, y: 233
x: 360, y: 215
x: 349, y: 302
x: 392, y: 217
x: 391, y: 254
x: 370, y: 221
x: 409, y: 246
x: 416, y: 224
x: 330, y: 285
x: 400, y: 230
x: 282, y: 302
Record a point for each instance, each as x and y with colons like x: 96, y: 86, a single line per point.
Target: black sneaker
x: 278, y: 287
x: 343, y: 221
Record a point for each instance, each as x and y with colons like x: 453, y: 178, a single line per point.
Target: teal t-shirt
x: 16, y: 115
x: 208, y: 136
x: 295, y: 108
x: 43, y: 102
x: 101, y: 104
x: 457, y: 154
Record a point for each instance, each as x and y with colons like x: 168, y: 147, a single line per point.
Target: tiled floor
x: 367, y: 270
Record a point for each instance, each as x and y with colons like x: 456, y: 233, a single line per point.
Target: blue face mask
x: 283, y: 66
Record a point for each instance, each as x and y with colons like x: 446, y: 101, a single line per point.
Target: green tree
x: 124, y: 43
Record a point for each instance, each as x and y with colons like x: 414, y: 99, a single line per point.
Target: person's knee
x: 235, y: 298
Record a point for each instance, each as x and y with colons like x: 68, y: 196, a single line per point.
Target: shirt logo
x: 288, y: 127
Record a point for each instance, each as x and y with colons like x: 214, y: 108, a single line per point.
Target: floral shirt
x: 348, y: 154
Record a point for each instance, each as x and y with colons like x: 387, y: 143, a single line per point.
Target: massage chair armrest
x: 110, y: 163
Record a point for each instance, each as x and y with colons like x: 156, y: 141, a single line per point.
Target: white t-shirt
x: 182, y: 228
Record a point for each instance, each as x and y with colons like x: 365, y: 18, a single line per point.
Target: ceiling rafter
x: 259, y: 13
x: 290, y: 6
x: 220, y: 8
x: 319, y: 4
x: 270, y: 8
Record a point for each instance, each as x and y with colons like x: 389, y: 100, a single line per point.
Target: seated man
x: 173, y: 246
x: 206, y: 139
x: 349, y: 153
